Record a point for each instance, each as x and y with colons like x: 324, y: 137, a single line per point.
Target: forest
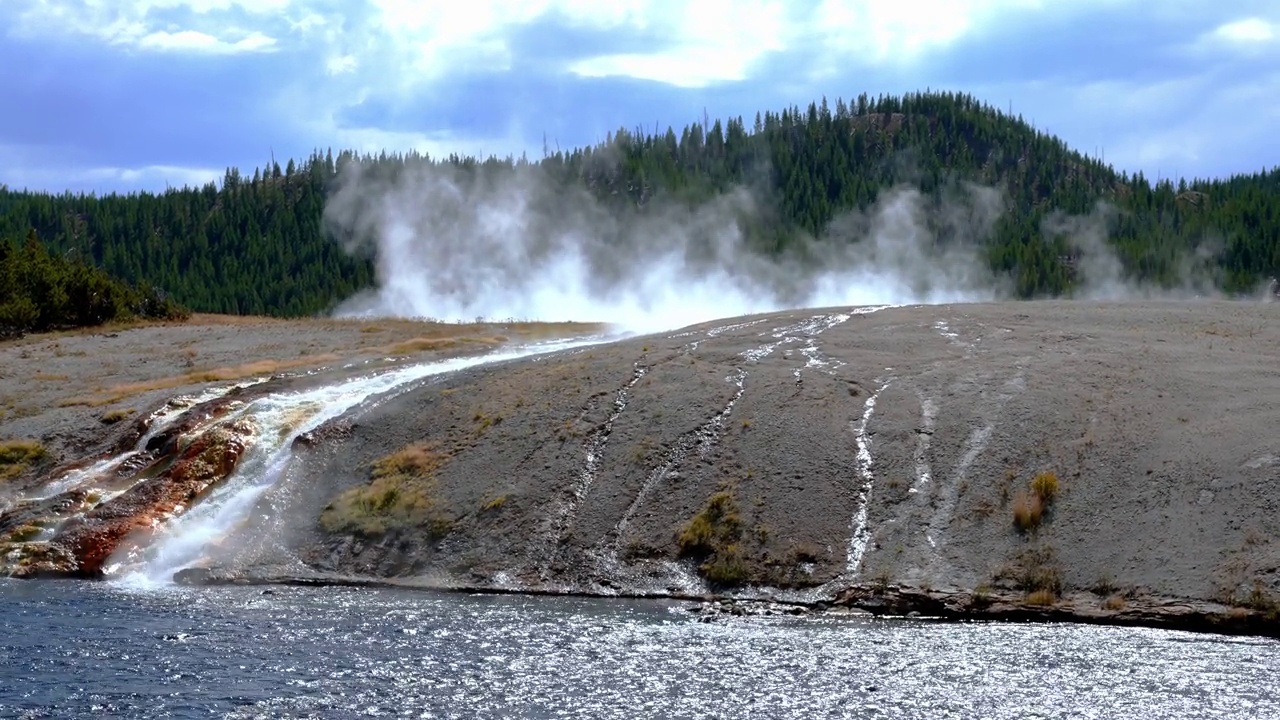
x: 41, y: 291
x: 260, y: 244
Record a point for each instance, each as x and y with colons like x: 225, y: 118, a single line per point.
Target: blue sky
x: 104, y: 95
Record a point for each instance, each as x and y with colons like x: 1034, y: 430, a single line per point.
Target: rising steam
x: 457, y: 244
x: 1102, y: 273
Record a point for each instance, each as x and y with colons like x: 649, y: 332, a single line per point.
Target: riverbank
x: 1094, y: 462
x: 887, y: 601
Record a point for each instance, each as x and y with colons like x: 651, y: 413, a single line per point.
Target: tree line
x: 259, y: 244
x: 42, y: 291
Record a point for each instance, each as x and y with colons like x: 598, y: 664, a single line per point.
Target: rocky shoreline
x: 861, y: 600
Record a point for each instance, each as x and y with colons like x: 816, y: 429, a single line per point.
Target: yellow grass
x: 1042, y: 597
x: 1029, y: 508
x: 434, y: 344
x: 417, y: 460
x: 239, y: 372
x: 353, y: 338
x: 17, y: 456
x: 1027, y: 511
x: 404, y: 326
x: 112, y: 417
x: 1045, y: 486
x: 399, y: 494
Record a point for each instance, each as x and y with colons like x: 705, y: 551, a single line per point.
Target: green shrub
x: 42, y: 291
x: 707, y: 531
x: 726, y: 567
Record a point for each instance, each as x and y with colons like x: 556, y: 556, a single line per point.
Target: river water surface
x: 72, y: 649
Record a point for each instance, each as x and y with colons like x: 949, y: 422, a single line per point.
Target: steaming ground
x: 459, y: 244
x: 451, y: 246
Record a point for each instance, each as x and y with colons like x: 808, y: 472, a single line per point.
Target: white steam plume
x: 1102, y: 274
x: 458, y: 244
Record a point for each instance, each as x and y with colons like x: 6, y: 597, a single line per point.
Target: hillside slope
x: 817, y: 450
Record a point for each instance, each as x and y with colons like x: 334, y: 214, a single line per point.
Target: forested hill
x: 259, y: 244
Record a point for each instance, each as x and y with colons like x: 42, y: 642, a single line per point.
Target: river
x: 74, y: 649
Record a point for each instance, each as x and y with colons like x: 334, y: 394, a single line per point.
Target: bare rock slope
x: 1012, y: 453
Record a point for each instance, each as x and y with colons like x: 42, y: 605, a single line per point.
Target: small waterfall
x: 278, y: 420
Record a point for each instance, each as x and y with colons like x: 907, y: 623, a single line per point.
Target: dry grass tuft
x: 435, y: 344
x: 24, y: 533
x: 1034, y: 570
x: 49, y: 377
x: 225, y: 374
x: 418, y: 460
x: 1043, y: 598
x: 1261, y: 600
x: 112, y: 417
x: 400, y: 494
x: 1029, y: 508
x: 713, y: 536
x: 18, y: 456
x: 1114, y: 603
x: 1045, y: 486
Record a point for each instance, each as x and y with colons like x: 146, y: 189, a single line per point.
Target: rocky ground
x: 64, y: 388
x: 1057, y: 460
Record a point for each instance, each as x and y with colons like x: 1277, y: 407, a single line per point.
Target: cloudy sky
x: 104, y: 95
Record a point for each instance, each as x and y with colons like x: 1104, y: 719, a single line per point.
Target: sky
x: 127, y: 95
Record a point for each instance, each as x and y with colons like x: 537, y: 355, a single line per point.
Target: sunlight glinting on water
x: 334, y: 652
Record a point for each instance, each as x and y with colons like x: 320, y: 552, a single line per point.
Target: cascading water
x: 278, y: 419
x: 160, y: 421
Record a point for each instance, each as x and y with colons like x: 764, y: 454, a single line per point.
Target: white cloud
x: 148, y: 24
x: 397, y: 45
x: 341, y: 64
x: 43, y: 175
x: 884, y: 31
x: 153, y: 175
x: 711, y: 42
x: 1249, y: 30
x: 195, y: 41
x: 685, y: 67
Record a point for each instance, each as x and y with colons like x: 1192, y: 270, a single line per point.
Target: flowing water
x: 74, y: 649
x: 276, y: 421
x: 279, y: 419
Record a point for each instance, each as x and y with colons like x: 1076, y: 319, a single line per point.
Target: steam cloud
x: 459, y: 244
x: 1102, y: 274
